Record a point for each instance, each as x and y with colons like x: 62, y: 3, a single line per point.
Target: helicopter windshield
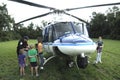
x: 79, y: 28
x: 63, y: 28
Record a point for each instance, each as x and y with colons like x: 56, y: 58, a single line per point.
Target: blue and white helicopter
x: 68, y: 39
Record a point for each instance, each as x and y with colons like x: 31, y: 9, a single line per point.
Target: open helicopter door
x: 48, y: 38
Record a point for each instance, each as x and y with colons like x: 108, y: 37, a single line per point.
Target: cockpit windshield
x: 79, y: 28
x: 63, y: 28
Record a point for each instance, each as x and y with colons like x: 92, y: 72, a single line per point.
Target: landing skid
x: 48, y: 59
x: 80, y: 61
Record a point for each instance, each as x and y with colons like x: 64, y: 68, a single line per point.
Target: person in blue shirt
x: 99, y: 50
x: 22, y: 61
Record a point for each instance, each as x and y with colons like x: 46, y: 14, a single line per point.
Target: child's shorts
x: 21, y: 65
x: 33, y: 64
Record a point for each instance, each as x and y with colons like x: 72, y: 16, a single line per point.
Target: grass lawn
x: 56, y: 69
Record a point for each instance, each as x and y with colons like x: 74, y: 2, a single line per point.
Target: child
x: 32, y: 54
x: 99, y: 50
x: 22, y: 62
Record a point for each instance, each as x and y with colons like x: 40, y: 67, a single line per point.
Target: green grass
x: 56, y: 69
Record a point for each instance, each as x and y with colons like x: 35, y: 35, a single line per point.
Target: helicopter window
x: 79, y: 28
x: 45, y: 37
x: 63, y: 28
x: 50, y: 38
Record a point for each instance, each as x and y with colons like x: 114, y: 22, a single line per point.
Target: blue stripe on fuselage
x: 70, y: 44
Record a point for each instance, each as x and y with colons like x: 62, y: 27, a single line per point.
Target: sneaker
x: 44, y: 58
x: 37, y: 75
x: 88, y: 61
x: 71, y: 64
x: 41, y: 68
x: 26, y: 65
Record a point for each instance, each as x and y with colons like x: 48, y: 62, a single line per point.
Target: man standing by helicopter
x: 23, y: 44
x: 40, y: 52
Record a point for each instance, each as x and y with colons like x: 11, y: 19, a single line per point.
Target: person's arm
x: 101, y: 46
x: 32, y: 56
x: 25, y: 60
x: 39, y: 48
x: 29, y: 55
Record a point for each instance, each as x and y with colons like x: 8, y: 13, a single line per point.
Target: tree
x: 97, y: 24
x: 113, y: 17
x: 5, y: 24
x: 108, y: 25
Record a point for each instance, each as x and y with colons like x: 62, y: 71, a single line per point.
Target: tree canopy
x: 107, y: 25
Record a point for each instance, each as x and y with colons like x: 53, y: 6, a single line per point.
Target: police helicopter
x: 68, y: 39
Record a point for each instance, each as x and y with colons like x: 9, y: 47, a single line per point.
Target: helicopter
x: 68, y: 39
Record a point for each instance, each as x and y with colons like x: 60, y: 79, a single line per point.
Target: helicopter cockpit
x: 66, y: 28
x: 62, y: 29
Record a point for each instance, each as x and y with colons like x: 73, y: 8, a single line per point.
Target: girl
x: 22, y: 62
x: 99, y: 50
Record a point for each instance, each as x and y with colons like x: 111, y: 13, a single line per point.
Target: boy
x: 32, y: 54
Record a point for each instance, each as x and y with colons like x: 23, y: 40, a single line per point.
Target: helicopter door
x: 50, y: 38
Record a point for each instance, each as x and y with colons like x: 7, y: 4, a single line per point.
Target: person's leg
x: 26, y: 56
x: 20, y: 71
x: 36, y: 70
x: 41, y: 61
x: 97, y: 58
x: 31, y: 70
x: 23, y: 70
x: 100, y: 57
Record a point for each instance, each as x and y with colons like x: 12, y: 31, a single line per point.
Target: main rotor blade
x: 35, y: 17
x: 100, y: 5
x: 76, y: 17
x: 33, y: 4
